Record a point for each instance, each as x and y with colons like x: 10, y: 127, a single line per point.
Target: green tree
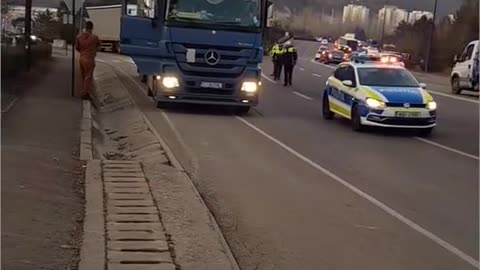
x: 46, y: 25
x: 412, y: 38
x: 451, y: 38
x: 5, y: 8
x: 18, y: 22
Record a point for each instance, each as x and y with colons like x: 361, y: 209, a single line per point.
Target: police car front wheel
x: 326, y: 113
x: 356, y: 120
x: 425, y: 132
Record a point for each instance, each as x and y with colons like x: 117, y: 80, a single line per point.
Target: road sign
x: 67, y: 19
x: 78, y: 4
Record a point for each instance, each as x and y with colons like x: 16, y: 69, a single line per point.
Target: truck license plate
x: 215, y: 85
x: 407, y: 114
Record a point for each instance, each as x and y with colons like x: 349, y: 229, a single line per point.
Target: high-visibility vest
x: 275, y: 50
x: 291, y: 50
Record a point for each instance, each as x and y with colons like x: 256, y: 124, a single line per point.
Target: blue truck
x: 197, y: 51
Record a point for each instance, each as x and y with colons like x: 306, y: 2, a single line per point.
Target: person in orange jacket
x: 87, y: 44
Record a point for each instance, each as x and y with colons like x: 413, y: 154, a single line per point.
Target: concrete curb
x: 86, y: 144
x: 92, y: 253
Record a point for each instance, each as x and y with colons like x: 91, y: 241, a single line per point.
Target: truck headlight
x: 432, y: 105
x: 170, y: 82
x: 375, y: 104
x: 250, y: 87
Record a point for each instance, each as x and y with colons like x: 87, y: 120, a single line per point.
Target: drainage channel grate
x: 135, y: 235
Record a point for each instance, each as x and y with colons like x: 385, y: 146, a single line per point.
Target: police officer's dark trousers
x: 277, y: 69
x: 287, y: 78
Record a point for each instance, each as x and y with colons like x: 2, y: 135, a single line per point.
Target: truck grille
x: 232, y: 63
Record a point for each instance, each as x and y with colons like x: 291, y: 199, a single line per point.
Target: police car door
x: 342, y: 90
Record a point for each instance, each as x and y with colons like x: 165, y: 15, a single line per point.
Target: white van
x: 465, y: 71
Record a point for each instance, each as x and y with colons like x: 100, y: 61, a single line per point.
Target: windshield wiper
x: 227, y: 22
x: 185, y: 19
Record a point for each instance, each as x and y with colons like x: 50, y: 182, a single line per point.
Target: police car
x: 373, y: 93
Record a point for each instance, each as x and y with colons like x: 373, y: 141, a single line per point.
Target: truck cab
x: 464, y: 75
x: 197, y: 51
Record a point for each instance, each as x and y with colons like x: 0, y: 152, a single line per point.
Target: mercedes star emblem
x: 406, y: 105
x: 212, y: 57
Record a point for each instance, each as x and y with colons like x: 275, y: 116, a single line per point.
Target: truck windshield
x: 242, y: 13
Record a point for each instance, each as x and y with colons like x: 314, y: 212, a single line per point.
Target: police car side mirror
x: 455, y: 58
x: 348, y: 83
x: 423, y: 85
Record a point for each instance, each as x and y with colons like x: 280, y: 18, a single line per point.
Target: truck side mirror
x: 269, y: 14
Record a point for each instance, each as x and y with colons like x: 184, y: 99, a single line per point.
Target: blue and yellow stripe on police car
x: 426, y: 96
x: 368, y: 92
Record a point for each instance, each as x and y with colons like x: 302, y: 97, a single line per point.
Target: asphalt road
x: 293, y: 191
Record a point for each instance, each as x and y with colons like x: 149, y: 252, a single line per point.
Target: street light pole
x: 430, y: 38
x: 73, y: 48
x: 304, y: 16
x: 28, y: 33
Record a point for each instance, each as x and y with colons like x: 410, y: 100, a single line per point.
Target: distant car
x: 322, y: 50
x: 375, y: 94
x: 324, y: 42
x: 335, y: 56
x: 345, y: 49
x: 362, y: 57
x: 392, y: 58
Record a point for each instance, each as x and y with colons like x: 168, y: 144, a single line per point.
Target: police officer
x: 277, y: 64
x: 289, y: 60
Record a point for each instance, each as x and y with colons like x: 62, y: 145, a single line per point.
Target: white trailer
x: 106, y: 21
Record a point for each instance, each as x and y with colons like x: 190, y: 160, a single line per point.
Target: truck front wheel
x: 456, y: 86
x: 242, y: 110
x: 163, y: 105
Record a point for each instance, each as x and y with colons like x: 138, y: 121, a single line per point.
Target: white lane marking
x: 193, y: 158
x: 267, y: 78
x: 447, y: 148
x: 322, y: 64
x: 453, y: 97
x: 317, y: 75
x: 9, y: 106
x: 369, y: 198
x: 302, y: 95
x: 302, y: 69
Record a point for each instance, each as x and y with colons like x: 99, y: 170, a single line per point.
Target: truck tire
x: 163, y: 105
x: 456, y: 86
x: 241, y: 110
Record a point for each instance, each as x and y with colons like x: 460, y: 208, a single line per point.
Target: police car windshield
x: 394, y: 77
x: 243, y: 13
